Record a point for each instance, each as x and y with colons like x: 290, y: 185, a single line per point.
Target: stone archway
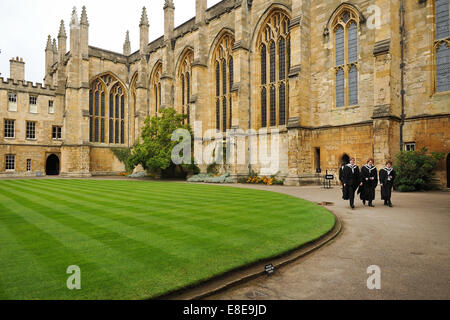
x: 345, y: 159
x: 52, y: 165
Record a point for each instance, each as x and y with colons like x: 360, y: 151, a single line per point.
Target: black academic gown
x: 350, y: 178
x: 387, y: 178
x: 341, y: 171
x: 369, y: 178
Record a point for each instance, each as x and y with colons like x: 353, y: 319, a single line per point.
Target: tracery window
x: 442, y: 46
x: 107, y: 111
x: 346, y: 58
x: 223, y: 75
x: 274, y: 47
x: 185, y: 75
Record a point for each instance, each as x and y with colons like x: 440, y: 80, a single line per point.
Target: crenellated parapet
x: 27, y: 87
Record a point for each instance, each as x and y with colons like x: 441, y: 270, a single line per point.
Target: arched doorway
x: 448, y: 170
x: 52, y: 165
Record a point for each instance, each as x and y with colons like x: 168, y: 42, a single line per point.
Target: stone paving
x: 410, y: 243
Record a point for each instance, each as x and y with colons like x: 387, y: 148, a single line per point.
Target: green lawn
x: 137, y: 239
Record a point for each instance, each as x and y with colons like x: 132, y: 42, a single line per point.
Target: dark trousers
x: 351, y: 194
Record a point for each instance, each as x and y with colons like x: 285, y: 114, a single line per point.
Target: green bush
x: 124, y: 155
x: 415, y: 170
x: 213, y: 168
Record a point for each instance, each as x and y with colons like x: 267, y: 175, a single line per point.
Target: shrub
x: 213, y: 168
x: 415, y: 170
x: 124, y: 155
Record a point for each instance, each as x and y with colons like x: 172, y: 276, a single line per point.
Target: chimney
x: 17, y: 69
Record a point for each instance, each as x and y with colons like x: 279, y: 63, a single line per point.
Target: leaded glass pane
x: 282, y: 58
x: 352, y: 43
x: 282, y: 104
x: 340, y: 46
x: 340, y: 88
x: 263, y: 108
x: 272, y: 62
x: 443, y: 68
x: 273, y: 107
x: 353, y: 86
x: 263, y: 65
x: 218, y: 115
x: 224, y: 114
x: 442, y: 19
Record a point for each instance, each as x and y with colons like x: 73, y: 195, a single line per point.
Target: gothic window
x: 156, y: 85
x: 442, y: 46
x: 184, y: 74
x: 107, y: 111
x: 223, y: 61
x: 346, y: 58
x: 274, y: 49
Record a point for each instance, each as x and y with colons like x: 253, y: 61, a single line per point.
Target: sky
x: 26, y: 24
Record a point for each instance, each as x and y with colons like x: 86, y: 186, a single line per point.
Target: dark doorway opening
x: 448, y: 170
x: 345, y: 159
x: 52, y: 165
x: 317, y: 160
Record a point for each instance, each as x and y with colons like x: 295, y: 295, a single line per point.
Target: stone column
x: 387, y: 73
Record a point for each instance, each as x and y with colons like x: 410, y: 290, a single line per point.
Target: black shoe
x: 390, y: 205
x: 364, y: 202
x: 352, y: 206
x: 385, y: 203
x: 371, y: 205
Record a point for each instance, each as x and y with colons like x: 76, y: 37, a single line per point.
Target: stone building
x: 332, y: 79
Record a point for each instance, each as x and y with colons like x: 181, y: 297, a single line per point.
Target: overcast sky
x: 26, y: 24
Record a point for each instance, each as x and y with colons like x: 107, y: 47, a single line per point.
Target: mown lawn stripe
x: 145, y: 238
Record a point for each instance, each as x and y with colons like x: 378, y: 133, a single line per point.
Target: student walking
x: 387, y: 178
x: 369, y: 180
x: 351, y: 180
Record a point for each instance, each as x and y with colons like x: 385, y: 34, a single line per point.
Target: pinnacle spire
x: 84, y: 18
x: 49, y: 43
x: 127, y: 45
x: 169, y: 4
x: 74, y: 19
x: 144, y: 18
x: 62, y: 30
x: 54, y: 46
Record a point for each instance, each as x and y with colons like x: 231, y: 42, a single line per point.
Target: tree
x: 153, y: 150
x: 415, y: 170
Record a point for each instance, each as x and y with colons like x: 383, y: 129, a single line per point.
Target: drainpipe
x: 402, y: 67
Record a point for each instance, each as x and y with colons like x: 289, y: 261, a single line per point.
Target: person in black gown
x: 369, y: 179
x: 351, y: 180
x: 387, y: 178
